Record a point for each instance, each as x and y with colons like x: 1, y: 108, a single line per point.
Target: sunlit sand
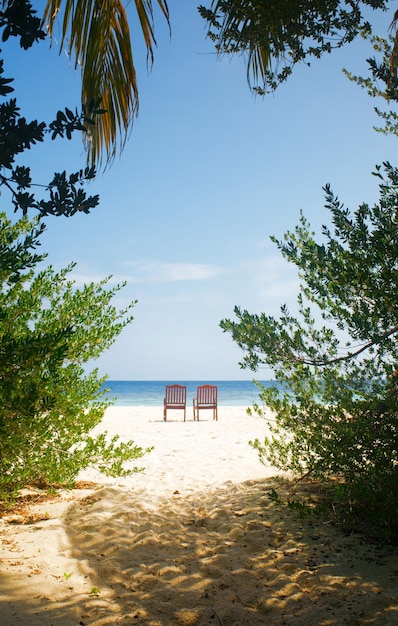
x: 194, y: 539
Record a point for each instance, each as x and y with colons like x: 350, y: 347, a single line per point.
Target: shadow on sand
x: 226, y: 558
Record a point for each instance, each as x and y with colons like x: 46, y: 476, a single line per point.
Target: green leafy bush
x: 337, y: 414
x: 50, y: 328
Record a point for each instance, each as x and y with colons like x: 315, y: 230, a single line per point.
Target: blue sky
x: 208, y: 174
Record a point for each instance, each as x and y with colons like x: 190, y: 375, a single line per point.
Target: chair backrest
x: 207, y: 394
x: 176, y: 394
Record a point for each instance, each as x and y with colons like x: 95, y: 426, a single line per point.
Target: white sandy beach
x: 191, y: 456
x: 192, y: 540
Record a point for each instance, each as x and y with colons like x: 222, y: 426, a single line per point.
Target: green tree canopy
x: 382, y: 83
x: 336, y: 408
x: 335, y: 402
x: 65, y: 193
x: 336, y: 360
x: 275, y: 35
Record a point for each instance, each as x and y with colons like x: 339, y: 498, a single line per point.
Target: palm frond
x: 96, y: 34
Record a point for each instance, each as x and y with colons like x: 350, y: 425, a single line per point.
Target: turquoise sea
x: 151, y: 392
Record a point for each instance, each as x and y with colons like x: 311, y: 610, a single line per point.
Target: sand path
x: 194, y: 540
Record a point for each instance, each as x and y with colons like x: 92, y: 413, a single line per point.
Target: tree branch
x: 350, y: 355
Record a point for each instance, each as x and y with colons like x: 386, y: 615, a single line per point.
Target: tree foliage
x: 275, y: 35
x: 336, y: 409
x: 65, y: 193
x: 96, y: 34
x: 382, y: 83
x: 49, y: 329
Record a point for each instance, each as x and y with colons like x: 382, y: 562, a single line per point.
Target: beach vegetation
x: 273, y: 36
x: 50, y: 327
x: 96, y: 36
x: 335, y: 358
x: 381, y: 82
x: 64, y: 194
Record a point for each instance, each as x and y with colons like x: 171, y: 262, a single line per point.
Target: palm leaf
x: 96, y: 34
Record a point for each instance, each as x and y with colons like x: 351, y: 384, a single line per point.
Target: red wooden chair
x: 175, y: 398
x: 206, y: 398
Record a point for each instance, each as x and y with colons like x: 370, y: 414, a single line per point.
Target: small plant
x: 95, y: 591
x: 275, y: 497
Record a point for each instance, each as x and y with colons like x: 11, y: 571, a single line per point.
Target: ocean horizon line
x: 125, y: 392
x: 164, y: 380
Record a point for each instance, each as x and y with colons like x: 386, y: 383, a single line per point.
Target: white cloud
x: 274, y: 277
x: 158, y: 272
x: 270, y: 282
x: 150, y: 272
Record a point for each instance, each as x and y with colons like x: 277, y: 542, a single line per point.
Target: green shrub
x: 49, y: 329
x: 336, y: 406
